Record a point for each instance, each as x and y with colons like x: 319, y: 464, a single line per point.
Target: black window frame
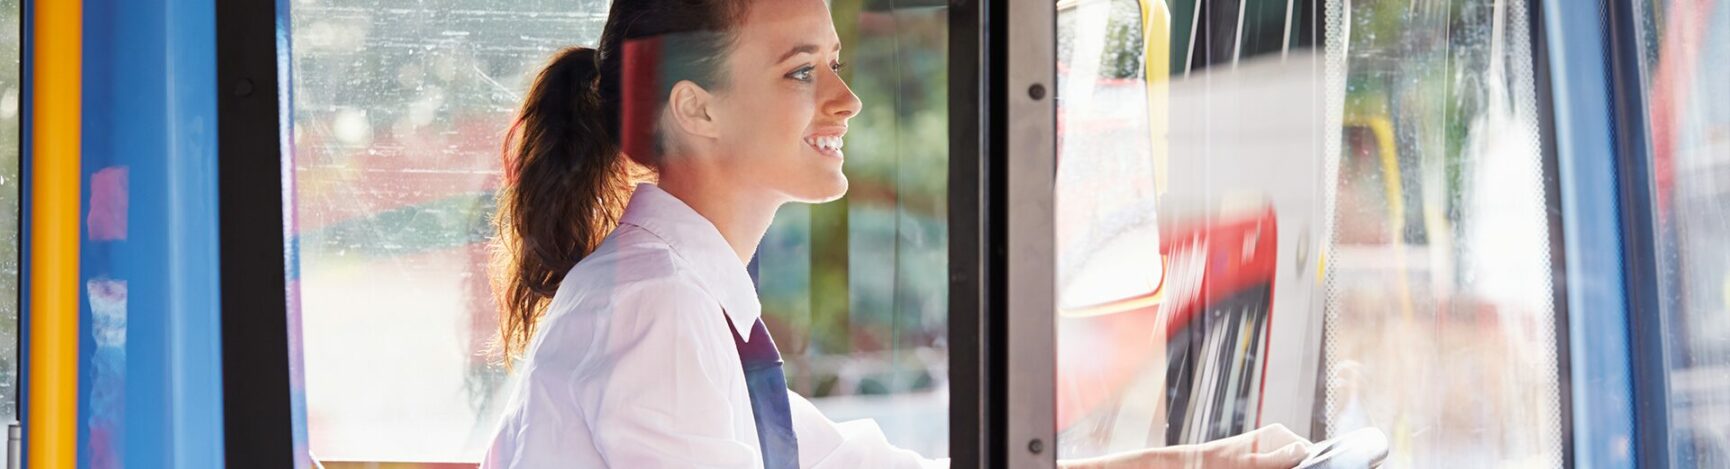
x: 257, y: 403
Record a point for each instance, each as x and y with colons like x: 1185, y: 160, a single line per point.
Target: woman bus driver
x: 637, y: 323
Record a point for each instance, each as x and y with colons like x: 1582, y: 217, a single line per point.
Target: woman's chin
x: 828, y: 190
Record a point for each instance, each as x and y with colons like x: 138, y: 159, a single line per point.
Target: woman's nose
x: 841, y: 101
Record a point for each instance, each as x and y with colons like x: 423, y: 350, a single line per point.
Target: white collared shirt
x: 633, y: 365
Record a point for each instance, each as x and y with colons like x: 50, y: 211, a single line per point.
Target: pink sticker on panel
x: 108, y: 201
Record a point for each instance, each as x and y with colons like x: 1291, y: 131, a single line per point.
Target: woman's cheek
x: 801, y: 114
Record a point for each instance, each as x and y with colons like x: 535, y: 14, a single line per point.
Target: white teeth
x: 825, y: 143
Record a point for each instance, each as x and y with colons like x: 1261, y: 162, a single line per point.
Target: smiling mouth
x: 828, y: 144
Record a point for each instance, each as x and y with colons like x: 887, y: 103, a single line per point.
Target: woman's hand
x: 1269, y: 447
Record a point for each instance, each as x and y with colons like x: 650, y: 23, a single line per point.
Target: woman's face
x: 784, y: 109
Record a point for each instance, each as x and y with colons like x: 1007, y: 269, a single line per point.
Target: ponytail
x: 566, y: 184
x: 567, y: 180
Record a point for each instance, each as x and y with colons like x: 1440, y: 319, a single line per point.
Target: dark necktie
x: 768, y: 388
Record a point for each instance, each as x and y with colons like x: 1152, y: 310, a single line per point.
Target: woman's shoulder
x: 627, y: 287
x: 627, y: 261
x: 628, y: 272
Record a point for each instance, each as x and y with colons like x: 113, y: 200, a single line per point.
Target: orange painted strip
x: 50, y: 434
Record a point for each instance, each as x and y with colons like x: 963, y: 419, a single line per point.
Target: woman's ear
x: 691, y: 108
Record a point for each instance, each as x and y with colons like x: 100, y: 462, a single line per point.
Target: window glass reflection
x: 1686, y: 55
x: 11, y: 115
x: 1441, y: 326
x: 399, y: 107
x: 855, y: 292
x: 1346, y: 204
x: 399, y: 110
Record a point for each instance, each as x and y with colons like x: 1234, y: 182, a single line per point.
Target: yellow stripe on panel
x: 51, y: 429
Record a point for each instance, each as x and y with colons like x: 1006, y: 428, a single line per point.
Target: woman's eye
x: 802, y: 74
x: 837, y: 66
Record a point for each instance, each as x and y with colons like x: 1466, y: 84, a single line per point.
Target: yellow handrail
x: 50, y: 431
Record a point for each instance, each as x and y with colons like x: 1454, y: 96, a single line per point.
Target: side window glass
x: 1347, y: 207
x: 1107, y: 232
x: 11, y: 94
x: 1441, y: 315
x: 399, y: 108
x: 856, y: 291
x: 1685, y: 56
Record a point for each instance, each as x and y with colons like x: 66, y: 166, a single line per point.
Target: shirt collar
x: 696, y: 240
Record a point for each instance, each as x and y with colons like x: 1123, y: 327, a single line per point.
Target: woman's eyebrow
x: 799, y: 49
x: 803, y: 49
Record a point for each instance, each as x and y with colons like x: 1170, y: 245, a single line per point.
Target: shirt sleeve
x: 657, y: 387
x: 824, y: 444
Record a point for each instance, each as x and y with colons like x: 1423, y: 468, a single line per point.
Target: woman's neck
x: 741, y: 216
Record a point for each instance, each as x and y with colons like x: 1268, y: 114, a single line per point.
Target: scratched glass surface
x: 1352, y: 222
x: 1442, y: 320
x: 1188, y: 187
x: 1107, y: 232
x: 399, y: 107
x: 1111, y: 223
x: 10, y: 117
x: 1685, y: 55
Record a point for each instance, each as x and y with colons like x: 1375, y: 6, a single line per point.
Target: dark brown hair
x: 566, y: 182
